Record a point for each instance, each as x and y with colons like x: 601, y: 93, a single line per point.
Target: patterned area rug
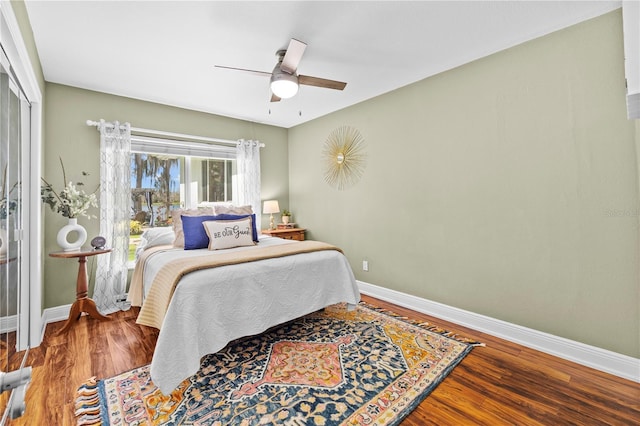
x: 333, y: 367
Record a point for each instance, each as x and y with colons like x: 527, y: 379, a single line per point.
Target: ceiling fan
x: 284, y: 78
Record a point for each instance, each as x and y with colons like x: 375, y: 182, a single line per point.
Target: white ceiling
x: 165, y: 51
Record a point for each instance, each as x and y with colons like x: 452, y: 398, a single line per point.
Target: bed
x: 209, y: 307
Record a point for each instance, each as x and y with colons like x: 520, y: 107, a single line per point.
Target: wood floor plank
x: 500, y: 384
x: 101, y: 359
x: 136, y: 338
x: 57, y: 369
x: 78, y: 357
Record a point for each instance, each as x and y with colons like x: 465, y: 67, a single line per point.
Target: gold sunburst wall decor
x: 344, y: 157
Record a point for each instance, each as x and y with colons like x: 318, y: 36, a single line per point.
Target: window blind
x: 152, y: 145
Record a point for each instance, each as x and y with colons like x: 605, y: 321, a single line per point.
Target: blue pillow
x: 195, y: 236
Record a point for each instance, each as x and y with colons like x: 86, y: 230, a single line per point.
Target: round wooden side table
x: 83, y: 303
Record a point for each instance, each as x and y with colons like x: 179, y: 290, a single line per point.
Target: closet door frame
x: 30, y: 322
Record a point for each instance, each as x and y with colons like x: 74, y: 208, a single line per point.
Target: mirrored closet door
x: 14, y: 130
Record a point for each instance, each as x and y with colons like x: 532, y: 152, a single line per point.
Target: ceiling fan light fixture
x: 284, y: 85
x: 284, y: 79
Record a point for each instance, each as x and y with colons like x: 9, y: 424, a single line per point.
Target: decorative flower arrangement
x: 7, y: 207
x: 71, y: 202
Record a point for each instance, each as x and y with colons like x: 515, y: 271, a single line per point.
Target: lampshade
x: 271, y: 206
x: 284, y: 85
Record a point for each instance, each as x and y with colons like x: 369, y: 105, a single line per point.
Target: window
x: 167, y: 175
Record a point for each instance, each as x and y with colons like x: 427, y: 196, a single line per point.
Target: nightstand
x: 287, y: 234
x: 83, y: 303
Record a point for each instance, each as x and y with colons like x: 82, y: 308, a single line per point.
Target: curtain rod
x: 171, y: 134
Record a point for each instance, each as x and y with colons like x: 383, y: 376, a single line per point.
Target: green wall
x: 67, y: 136
x: 507, y: 187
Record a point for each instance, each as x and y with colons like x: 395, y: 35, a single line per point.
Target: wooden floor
x: 500, y: 384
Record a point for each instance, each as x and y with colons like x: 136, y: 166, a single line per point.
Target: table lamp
x: 271, y: 207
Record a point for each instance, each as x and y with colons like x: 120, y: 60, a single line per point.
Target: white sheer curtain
x: 115, y: 200
x: 248, y: 164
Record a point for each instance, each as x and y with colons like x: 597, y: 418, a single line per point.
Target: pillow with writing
x: 225, y: 234
x: 195, y: 236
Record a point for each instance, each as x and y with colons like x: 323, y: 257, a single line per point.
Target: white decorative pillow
x: 229, y: 233
x: 158, y: 235
x: 152, y: 237
x: 177, y: 222
x: 221, y: 209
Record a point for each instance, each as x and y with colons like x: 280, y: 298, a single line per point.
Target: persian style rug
x: 332, y: 367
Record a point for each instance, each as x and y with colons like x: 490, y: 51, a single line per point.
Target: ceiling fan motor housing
x: 283, y: 85
x: 280, y: 55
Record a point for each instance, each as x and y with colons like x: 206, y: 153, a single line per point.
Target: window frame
x: 187, y: 151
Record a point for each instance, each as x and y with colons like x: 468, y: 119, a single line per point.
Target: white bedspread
x: 212, y: 307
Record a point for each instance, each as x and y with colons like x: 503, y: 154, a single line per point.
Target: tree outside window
x: 161, y: 183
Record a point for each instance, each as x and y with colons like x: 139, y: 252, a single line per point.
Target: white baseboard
x: 59, y: 313
x: 8, y: 324
x: 601, y: 359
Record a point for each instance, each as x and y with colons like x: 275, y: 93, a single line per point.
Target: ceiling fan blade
x: 260, y: 73
x: 274, y: 98
x: 321, y: 82
x: 292, y: 57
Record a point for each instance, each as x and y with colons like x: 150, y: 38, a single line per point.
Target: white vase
x: 6, y: 228
x: 4, y: 243
x: 64, y: 232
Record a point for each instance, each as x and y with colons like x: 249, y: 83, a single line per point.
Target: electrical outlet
x: 365, y: 265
